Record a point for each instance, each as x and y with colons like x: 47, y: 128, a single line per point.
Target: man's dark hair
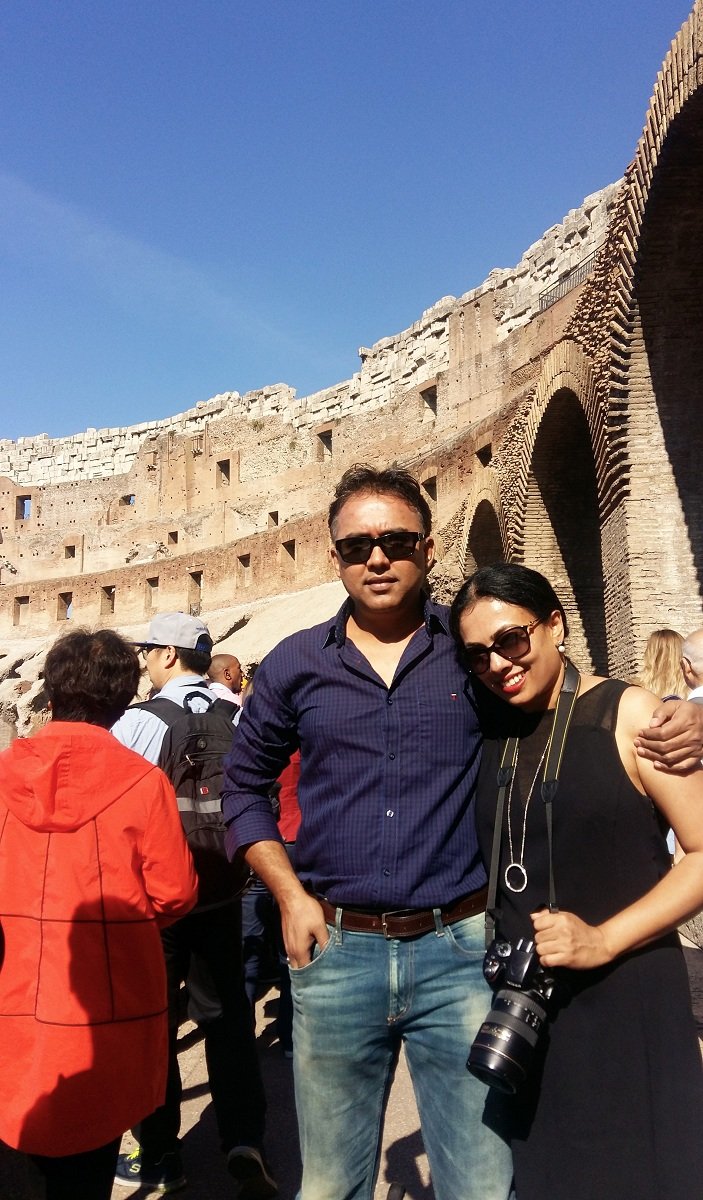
x: 393, y: 481
x: 91, y: 677
x: 513, y: 584
x: 197, y: 661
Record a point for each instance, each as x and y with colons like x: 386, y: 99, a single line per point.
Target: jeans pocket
x: 317, y: 954
x: 467, y: 938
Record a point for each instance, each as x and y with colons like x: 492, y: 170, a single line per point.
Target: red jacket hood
x: 67, y: 773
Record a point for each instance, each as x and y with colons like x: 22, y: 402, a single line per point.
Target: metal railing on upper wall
x: 551, y: 294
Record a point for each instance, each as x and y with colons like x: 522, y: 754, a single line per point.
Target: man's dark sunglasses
x: 400, y: 544
x: 145, y: 647
x: 513, y: 643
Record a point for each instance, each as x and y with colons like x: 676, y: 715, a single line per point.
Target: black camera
x: 504, y: 1047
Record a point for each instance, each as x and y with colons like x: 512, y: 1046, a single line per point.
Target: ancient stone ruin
x: 550, y: 415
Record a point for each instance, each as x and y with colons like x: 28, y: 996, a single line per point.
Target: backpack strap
x: 225, y: 708
x: 166, y: 710
x: 169, y: 711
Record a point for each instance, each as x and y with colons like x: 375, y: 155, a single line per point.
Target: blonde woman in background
x: 662, y: 674
x: 661, y: 671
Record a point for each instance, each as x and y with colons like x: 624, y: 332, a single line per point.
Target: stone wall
x: 550, y: 415
x: 101, y: 525
x: 407, y: 360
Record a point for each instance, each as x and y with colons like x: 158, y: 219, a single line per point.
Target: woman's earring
x: 561, y: 648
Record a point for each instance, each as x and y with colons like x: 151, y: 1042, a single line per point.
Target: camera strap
x: 550, y: 782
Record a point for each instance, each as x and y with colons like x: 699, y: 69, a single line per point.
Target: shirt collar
x: 434, y: 616
x: 175, y: 686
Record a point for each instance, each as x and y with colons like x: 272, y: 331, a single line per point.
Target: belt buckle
x: 394, y: 912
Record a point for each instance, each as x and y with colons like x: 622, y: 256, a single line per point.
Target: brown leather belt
x: 404, y: 922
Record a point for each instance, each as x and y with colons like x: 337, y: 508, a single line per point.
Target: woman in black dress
x: 614, y: 1105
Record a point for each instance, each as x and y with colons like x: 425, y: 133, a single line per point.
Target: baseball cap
x: 180, y: 630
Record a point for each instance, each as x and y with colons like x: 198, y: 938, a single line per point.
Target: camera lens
x: 504, y: 1047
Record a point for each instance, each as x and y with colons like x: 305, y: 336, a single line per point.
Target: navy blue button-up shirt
x: 387, y: 774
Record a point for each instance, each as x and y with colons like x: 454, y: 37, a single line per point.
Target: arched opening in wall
x: 670, y: 299
x: 484, y: 544
x: 562, y: 529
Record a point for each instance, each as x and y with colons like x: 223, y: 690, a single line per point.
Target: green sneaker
x: 163, y: 1174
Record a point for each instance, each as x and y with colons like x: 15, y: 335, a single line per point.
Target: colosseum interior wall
x: 551, y: 415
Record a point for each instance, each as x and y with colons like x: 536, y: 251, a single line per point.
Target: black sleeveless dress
x: 615, y: 1112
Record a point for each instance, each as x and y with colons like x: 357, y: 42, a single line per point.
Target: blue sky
x: 198, y: 197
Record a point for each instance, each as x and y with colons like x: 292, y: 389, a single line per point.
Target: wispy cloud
x: 37, y: 228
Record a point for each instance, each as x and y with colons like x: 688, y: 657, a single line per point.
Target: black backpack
x: 192, y: 754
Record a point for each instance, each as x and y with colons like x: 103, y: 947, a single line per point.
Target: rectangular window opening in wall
x: 429, y: 487
x: 21, y: 610
x: 195, y: 592
x: 69, y: 551
x: 152, y: 592
x: 107, y: 601
x: 127, y: 501
x: 485, y: 454
x: 64, y: 606
x: 244, y: 569
x: 324, y: 445
x: 289, y: 549
x: 223, y: 472
x: 273, y: 518
x: 172, y: 537
x: 429, y: 403
x: 23, y: 508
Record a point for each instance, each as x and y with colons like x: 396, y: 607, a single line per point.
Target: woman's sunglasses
x: 512, y: 643
x: 395, y: 546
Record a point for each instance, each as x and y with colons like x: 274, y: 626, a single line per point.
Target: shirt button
x: 391, y: 755
x: 389, y: 812
x: 389, y: 700
x: 386, y: 871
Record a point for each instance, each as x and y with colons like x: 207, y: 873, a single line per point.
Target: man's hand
x: 674, y: 739
x: 564, y: 940
x: 302, y: 919
x: 303, y: 924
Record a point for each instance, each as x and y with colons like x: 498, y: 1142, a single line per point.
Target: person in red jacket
x: 93, y: 861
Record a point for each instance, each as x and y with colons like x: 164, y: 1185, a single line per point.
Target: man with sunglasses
x: 384, y: 931
x: 384, y: 926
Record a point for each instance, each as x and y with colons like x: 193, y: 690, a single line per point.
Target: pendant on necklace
x: 521, y: 881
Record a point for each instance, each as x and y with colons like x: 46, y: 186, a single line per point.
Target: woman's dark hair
x: 393, y: 481
x: 91, y: 677
x: 511, y: 583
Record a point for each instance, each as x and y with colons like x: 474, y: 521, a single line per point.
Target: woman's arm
x: 563, y: 939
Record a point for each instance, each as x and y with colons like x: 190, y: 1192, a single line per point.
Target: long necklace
x: 517, y: 865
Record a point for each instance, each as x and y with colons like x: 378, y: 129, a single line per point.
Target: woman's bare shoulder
x: 635, y: 709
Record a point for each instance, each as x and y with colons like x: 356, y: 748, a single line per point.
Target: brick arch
x: 677, y: 83
x: 484, y: 539
x: 656, y: 350
x: 565, y: 369
x: 555, y: 470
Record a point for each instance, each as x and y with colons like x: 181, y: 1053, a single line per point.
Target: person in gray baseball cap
x: 179, y: 630
x: 177, y: 653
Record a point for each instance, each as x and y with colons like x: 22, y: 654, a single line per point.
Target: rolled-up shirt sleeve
x: 265, y: 739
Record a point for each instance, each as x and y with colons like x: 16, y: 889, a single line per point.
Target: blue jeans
x: 353, y: 1005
